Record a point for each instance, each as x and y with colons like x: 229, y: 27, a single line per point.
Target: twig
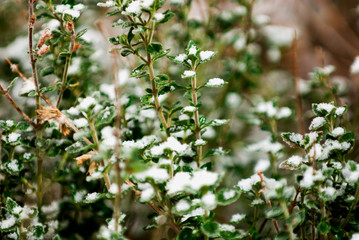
x: 26, y: 117
x: 153, y: 205
x: 293, y: 203
x: 196, y: 118
x: 67, y: 63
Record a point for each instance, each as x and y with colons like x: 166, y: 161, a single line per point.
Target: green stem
x: 353, y: 206
x: 197, y: 129
x: 286, y: 216
x: 66, y: 69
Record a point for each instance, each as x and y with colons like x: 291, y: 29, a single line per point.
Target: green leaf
x: 168, y: 15
x: 323, y: 227
x: 347, y: 137
x: 274, y: 212
x: 14, y: 167
x: 130, y: 35
x: 186, y: 234
x: 294, y: 140
x: 12, y: 83
x: 138, y: 70
x: 105, y: 116
x: 227, y: 196
x: 48, y: 89
x: 296, y: 218
x: 37, y: 230
x: 81, y: 32
x: 77, y: 147
x: 161, y: 79
x: 210, y: 228
x: 47, y: 71
x: 11, y: 205
x: 154, y: 48
x: 145, y: 99
x: 126, y: 52
x: 161, y: 54
x: 23, y: 125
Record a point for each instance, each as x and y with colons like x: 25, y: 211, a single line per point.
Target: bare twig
x: 26, y: 117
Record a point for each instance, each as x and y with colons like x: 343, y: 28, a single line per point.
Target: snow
x: 247, y: 183
x: 8, y: 223
x: 200, y: 142
x: 9, y: 123
x: 227, y: 228
x: 279, y: 35
x: 81, y: 122
x: 329, y: 191
x: 79, y: 196
x: 204, y: 55
x: 257, y: 202
x: 233, y: 100
x: 146, y: 3
x: 28, y: 86
x: 134, y: 7
x: 355, y: 236
x: 339, y: 111
x: 178, y: 183
x: 66, y: 9
x: 147, y: 192
x: 193, y: 50
x: 181, y: 57
x: 158, y: 175
x: 109, y: 140
x: 182, y: 206
x: 294, y: 161
x: 338, y: 131
x: 13, y: 165
x: 219, y: 122
x: 86, y: 103
x: 203, y: 178
x: 317, y: 122
x: 209, y: 201
x: 189, y: 109
x: 354, y: 69
x: 296, y: 138
x: 73, y: 111
x: 13, y: 137
x: 188, y: 73
x: 266, y: 108
x: 262, y: 165
x: 215, y: 82
x: 27, y: 156
x: 283, y: 112
x: 266, y: 146
x: 158, y: 16
x: 92, y: 196
x: 229, y: 194
x: 172, y: 144
x: 108, y: 3
x: 237, y: 217
x: 195, y: 212
x: 309, y: 179
x: 328, y: 107
x: 349, y: 175
x: 108, y: 89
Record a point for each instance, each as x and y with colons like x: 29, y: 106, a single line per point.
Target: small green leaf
x: 126, y: 52
x: 210, y: 228
x: 105, y: 116
x: 323, y: 227
x: 227, y: 196
x: 274, y: 212
x: 12, y: 83
x: 154, y: 48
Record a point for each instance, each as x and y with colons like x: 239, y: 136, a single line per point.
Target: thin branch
x: 67, y: 63
x: 26, y: 117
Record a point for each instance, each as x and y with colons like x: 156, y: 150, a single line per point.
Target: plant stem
x: 66, y: 68
x: 197, y: 129
x: 116, y: 83
x: 14, y: 104
x: 155, y: 94
x: 356, y: 198
x: 32, y: 19
x: 286, y: 216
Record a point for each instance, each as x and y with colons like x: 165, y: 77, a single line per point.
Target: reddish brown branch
x: 26, y: 117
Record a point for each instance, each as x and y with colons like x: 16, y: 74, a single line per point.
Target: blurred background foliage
x: 257, y: 61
